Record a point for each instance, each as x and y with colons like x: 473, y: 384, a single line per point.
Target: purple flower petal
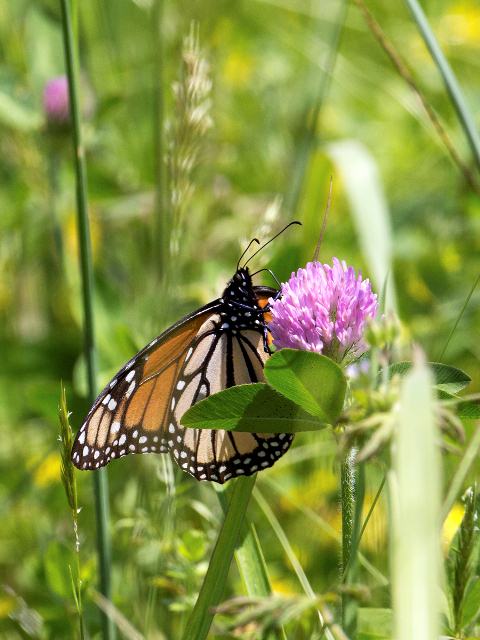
x: 324, y: 309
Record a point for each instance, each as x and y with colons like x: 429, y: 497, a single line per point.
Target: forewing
x: 130, y: 414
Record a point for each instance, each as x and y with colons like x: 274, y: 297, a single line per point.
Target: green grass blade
x: 250, y: 559
x: 415, y: 485
x: 451, y: 83
x: 283, y: 539
x: 308, y: 139
x: 369, y: 208
x: 469, y: 457
x: 213, y: 586
x: 460, y: 316
x: 99, y: 477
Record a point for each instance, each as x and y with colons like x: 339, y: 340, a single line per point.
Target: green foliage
x: 273, y: 86
x: 251, y: 408
x: 313, y: 381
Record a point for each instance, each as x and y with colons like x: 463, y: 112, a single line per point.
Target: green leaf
x: 447, y: 378
x: 250, y: 408
x: 312, y: 381
x: 375, y: 624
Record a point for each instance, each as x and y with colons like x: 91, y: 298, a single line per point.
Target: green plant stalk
x: 160, y: 224
x: 352, y: 497
x: 459, y: 317
x: 100, y: 480
x: 250, y: 561
x: 297, y: 567
x: 308, y: 139
x: 460, y: 476
x: 213, y: 586
x: 449, y: 79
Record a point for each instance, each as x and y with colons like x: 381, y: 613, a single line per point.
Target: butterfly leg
x: 266, y: 346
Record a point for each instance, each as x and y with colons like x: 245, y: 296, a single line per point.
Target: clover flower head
x: 325, y: 309
x: 56, y: 103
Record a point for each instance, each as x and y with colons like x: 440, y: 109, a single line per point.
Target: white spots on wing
x: 155, y: 438
x: 203, y: 476
x: 129, y: 364
x: 112, y: 404
x: 171, y: 428
x: 172, y: 404
x: 135, y: 434
x: 175, y: 453
x: 222, y: 468
x: 106, y: 399
x: 115, y: 428
x: 113, y: 383
x: 130, y: 389
x: 183, y: 454
x: 122, y: 439
x: 130, y: 376
x: 189, y: 353
x: 81, y: 438
x: 85, y: 451
x: 225, y: 325
x: 142, y: 439
x: 144, y: 449
x: 181, y: 385
x: 153, y: 342
x: 96, y: 455
x: 132, y: 447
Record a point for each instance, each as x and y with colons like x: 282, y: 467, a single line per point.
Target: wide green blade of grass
x: 415, y: 486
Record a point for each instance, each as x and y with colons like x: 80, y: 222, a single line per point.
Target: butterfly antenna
x: 271, y: 273
x: 248, y: 247
x: 271, y: 240
x: 324, y: 223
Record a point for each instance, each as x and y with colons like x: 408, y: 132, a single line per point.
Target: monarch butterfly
x: 220, y: 345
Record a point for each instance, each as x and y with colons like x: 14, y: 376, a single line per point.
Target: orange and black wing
x: 140, y: 410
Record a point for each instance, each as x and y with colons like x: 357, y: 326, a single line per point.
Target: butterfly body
x: 218, y: 346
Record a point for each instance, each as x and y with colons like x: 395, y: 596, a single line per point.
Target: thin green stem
x: 469, y: 457
x: 297, y: 567
x: 352, y: 497
x: 309, y: 135
x: 250, y: 561
x: 99, y: 477
x: 451, y: 83
x: 459, y: 317
x: 213, y: 586
x: 160, y: 223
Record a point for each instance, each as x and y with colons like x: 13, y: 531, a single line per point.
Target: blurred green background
x: 397, y: 197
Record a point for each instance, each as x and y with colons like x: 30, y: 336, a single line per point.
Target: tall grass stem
x: 309, y: 135
x: 100, y: 480
x: 352, y: 498
x: 469, y: 457
x: 459, y: 317
x: 250, y: 561
x: 160, y: 245
x: 297, y: 567
x: 451, y: 84
x: 213, y: 587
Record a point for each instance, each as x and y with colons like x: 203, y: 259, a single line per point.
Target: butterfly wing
x: 130, y: 413
x: 141, y: 409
